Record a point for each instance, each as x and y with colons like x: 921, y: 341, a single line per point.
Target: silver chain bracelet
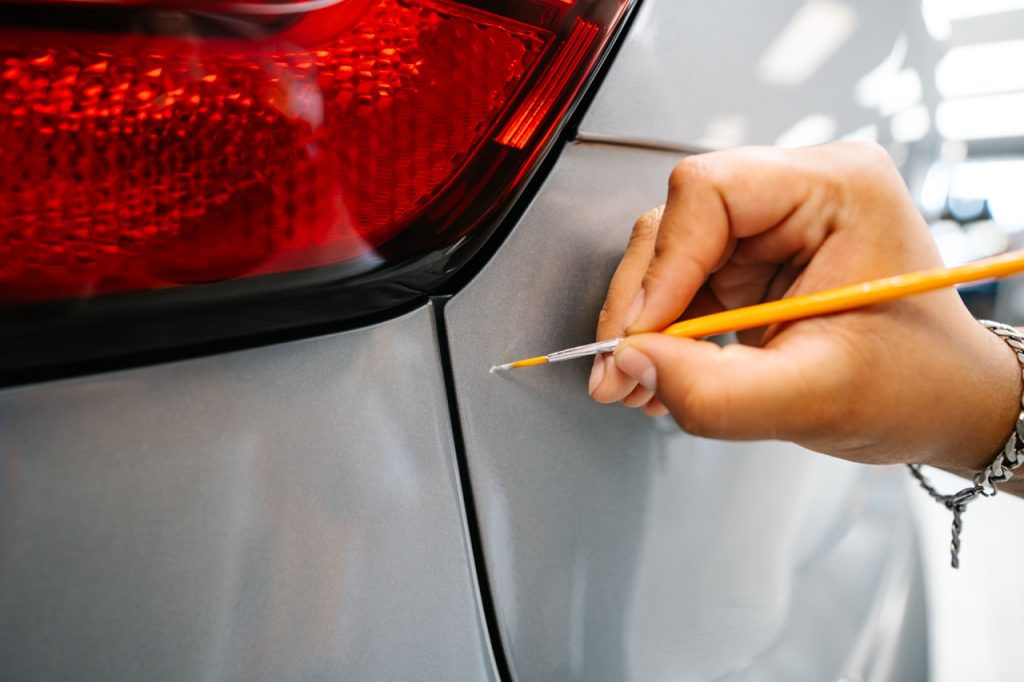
x: 1000, y: 470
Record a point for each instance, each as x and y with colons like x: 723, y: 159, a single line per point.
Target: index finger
x: 718, y: 196
x: 611, y: 384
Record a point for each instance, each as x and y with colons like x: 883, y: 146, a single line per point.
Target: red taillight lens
x: 190, y: 147
x: 186, y: 176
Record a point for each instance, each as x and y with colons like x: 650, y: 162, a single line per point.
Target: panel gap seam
x: 469, y: 505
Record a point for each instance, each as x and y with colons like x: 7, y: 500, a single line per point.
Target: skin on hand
x: 916, y: 380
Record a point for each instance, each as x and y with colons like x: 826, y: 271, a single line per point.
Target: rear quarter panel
x: 619, y: 548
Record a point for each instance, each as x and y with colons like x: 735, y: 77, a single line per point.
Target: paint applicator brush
x: 809, y: 305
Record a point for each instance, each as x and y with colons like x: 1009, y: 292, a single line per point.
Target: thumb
x: 734, y: 392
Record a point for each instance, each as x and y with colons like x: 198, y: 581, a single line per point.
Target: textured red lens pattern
x: 132, y: 162
x: 532, y: 112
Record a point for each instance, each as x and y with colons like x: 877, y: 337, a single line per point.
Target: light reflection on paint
x: 813, y: 129
x: 815, y: 33
x: 725, y: 131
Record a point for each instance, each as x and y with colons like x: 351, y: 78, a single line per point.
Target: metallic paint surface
x: 285, y: 513
x: 619, y: 548
x: 688, y: 74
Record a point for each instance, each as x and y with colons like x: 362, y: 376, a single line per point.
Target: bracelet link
x: 961, y: 498
x: 1009, y: 457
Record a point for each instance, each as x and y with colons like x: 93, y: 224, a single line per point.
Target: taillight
x: 166, y: 145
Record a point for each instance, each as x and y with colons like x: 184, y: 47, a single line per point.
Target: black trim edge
x: 496, y: 641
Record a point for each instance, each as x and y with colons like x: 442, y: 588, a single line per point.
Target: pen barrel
x: 847, y: 298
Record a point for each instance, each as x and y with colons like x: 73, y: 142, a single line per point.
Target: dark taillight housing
x: 160, y: 159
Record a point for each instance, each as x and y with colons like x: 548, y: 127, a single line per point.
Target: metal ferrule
x: 584, y: 351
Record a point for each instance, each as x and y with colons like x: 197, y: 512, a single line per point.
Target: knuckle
x: 868, y: 178
x: 869, y: 149
x: 611, y: 309
x: 645, y: 228
x: 862, y: 148
x: 654, y: 278
x: 614, y: 295
x: 867, y: 158
x: 672, y: 261
x: 686, y: 173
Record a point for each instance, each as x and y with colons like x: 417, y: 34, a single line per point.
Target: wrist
x: 1006, y: 461
x: 992, y: 403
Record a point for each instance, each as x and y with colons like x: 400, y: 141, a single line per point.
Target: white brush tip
x: 501, y: 368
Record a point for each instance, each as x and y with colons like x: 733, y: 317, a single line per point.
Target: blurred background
x: 959, y: 134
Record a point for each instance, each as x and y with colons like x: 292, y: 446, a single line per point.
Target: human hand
x: 916, y: 380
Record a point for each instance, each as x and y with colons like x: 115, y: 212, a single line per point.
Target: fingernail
x: 596, y: 374
x: 637, y: 307
x: 638, y: 367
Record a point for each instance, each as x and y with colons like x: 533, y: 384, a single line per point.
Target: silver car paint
x: 292, y: 512
x: 689, y: 73
x: 622, y: 549
x: 285, y: 513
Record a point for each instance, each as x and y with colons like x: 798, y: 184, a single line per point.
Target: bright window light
x: 880, y: 88
x: 936, y: 20
x: 963, y: 9
x: 910, y: 125
x: 868, y: 133
x: 975, y: 118
x: 1008, y: 212
x: 903, y: 92
x: 954, y: 246
x: 816, y: 32
x: 953, y: 151
x: 981, y: 69
x: 997, y: 181
x: 935, y: 188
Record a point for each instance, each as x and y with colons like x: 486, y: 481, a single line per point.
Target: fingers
x: 736, y: 392
x: 717, y: 198
x: 747, y: 225
x: 655, y: 408
x: 639, y: 397
x: 607, y: 383
x: 739, y: 227
x: 627, y: 278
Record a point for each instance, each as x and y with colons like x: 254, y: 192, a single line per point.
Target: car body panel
x: 295, y: 511
x: 705, y: 75
x: 289, y: 512
x: 620, y: 548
